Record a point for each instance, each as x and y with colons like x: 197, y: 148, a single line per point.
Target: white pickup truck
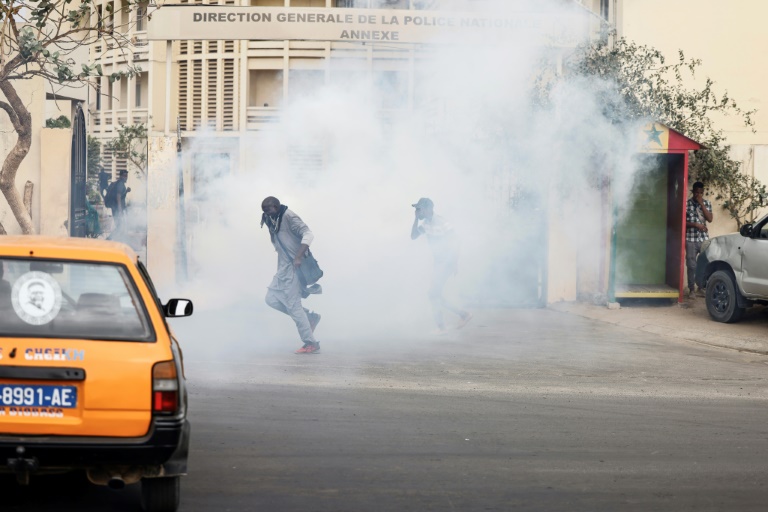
x: 734, y: 270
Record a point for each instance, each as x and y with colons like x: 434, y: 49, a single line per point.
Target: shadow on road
x: 64, y: 493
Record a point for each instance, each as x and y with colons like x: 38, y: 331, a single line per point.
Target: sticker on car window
x: 36, y: 298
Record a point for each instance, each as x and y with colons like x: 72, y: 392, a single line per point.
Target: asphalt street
x: 523, y: 410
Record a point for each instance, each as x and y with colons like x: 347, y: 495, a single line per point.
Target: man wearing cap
x: 445, y: 250
x: 698, y: 212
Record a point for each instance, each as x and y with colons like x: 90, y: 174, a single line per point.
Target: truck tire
x: 161, y: 494
x: 723, y: 298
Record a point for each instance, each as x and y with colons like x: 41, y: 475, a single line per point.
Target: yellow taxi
x: 91, y: 376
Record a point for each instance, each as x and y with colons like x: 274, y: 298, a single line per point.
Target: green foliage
x: 131, y: 144
x: 93, y: 195
x: 50, y: 35
x: 92, y: 168
x: 60, y: 122
x: 742, y: 193
x: 93, y: 161
x: 644, y: 85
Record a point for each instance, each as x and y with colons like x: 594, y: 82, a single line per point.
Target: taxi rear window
x: 65, y: 299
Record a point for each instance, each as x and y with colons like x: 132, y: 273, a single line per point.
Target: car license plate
x: 64, y: 397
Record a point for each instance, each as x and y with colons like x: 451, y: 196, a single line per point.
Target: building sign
x: 211, y: 22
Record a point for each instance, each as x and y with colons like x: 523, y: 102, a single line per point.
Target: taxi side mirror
x: 746, y: 230
x: 178, y: 307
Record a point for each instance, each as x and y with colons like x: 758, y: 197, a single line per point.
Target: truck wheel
x: 161, y: 494
x: 722, y: 298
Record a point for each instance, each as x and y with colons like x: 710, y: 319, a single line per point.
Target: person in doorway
x: 103, y: 181
x: 291, y: 238
x: 115, y: 200
x: 698, y: 212
x: 92, y: 224
x: 445, y: 250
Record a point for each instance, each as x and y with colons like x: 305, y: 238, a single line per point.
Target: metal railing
x: 261, y: 117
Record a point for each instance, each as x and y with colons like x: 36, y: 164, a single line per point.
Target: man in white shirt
x: 445, y: 249
x: 291, y: 238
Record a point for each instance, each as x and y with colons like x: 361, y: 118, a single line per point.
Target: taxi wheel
x: 161, y: 494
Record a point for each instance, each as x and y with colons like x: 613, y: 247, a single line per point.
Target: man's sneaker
x: 314, y: 319
x: 312, y: 348
x: 464, y: 320
x: 303, y: 350
x: 700, y: 292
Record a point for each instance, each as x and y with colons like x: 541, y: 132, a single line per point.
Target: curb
x: 691, y: 323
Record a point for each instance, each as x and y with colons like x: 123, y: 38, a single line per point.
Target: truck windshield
x: 64, y: 299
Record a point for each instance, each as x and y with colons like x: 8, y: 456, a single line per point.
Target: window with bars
x: 605, y: 9
x: 220, y: 90
x: 111, y: 162
x: 183, y: 88
x: 207, y: 82
x: 100, y: 17
x: 229, y: 121
x: 141, y: 17
x: 110, y: 98
x: 142, y: 88
x: 109, y: 21
x: 197, y: 93
x: 212, y: 97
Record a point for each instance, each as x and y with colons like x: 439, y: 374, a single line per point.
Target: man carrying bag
x: 297, y: 270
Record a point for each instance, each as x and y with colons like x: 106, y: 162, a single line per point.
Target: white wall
x: 32, y: 94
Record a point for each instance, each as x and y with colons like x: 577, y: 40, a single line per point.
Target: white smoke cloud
x: 493, y: 163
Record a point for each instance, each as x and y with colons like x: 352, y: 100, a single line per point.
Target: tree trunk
x: 22, y: 123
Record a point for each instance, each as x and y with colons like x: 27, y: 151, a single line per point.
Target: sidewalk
x: 689, y: 321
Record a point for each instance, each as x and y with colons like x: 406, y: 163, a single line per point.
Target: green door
x: 641, y: 231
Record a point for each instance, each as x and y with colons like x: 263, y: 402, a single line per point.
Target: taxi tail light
x: 165, y: 388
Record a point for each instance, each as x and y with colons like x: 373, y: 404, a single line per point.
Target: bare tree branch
x: 14, y: 158
x: 11, y: 113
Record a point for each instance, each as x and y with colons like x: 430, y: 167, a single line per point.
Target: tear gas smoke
x: 501, y: 169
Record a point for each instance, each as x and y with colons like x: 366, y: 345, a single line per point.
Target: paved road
x: 524, y: 410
